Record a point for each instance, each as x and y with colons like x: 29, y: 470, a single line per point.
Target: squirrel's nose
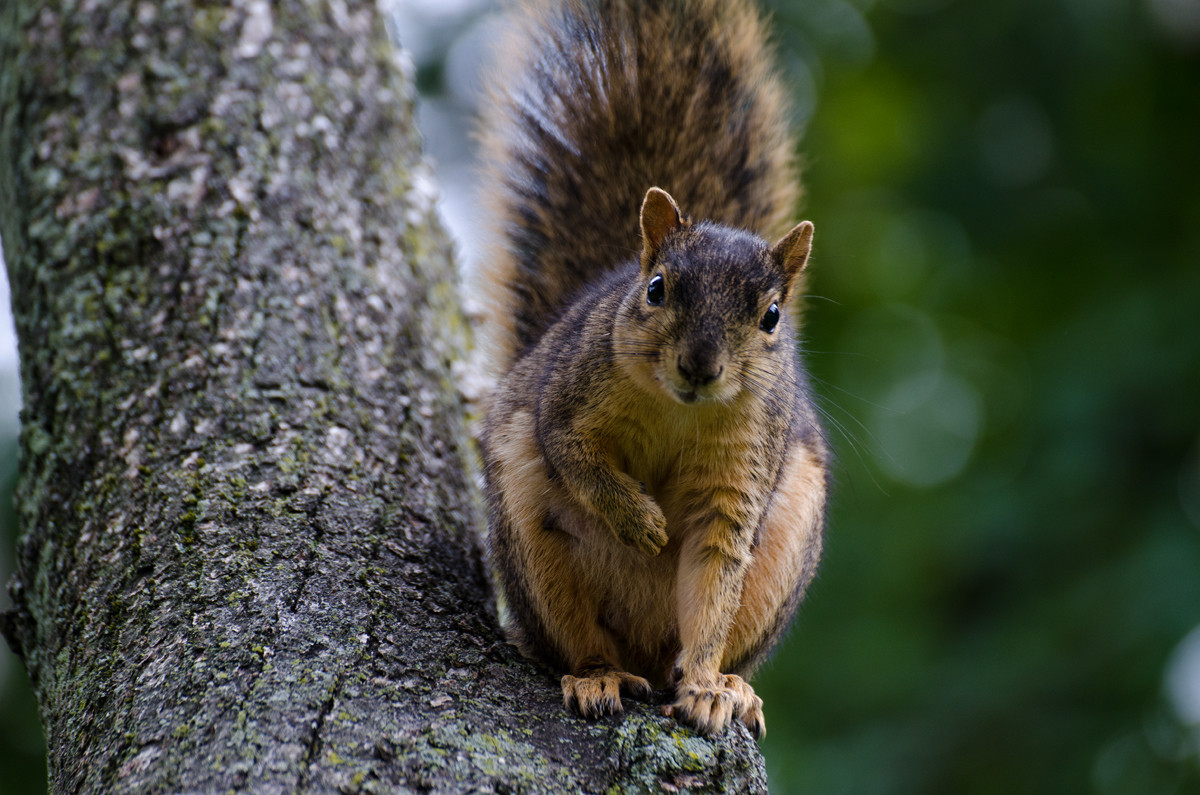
x: 699, y: 371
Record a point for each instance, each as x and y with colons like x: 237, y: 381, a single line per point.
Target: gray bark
x: 248, y: 556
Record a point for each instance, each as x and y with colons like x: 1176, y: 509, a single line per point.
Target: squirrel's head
x: 707, y: 319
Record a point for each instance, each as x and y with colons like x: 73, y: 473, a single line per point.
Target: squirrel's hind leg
x: 596, y: 689
x: 783, y: 562
x: 556, y: 612
x: 558, y: 622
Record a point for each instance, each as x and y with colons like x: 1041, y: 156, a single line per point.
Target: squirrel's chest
x: 683, y: 465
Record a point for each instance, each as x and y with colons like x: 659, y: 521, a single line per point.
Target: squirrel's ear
x: 660, y: 215
x: 791, y: 253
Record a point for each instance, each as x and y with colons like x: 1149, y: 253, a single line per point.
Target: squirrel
x: 654, y: 464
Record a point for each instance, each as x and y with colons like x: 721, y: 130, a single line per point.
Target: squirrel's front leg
x: 590, y: 476
x: 712, y: 570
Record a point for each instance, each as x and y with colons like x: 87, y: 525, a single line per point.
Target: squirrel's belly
x: 635, y: 598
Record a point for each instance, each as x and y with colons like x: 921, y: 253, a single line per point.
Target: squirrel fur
x: 655, y: 467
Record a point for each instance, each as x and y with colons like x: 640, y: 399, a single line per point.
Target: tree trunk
x: 248, y: 511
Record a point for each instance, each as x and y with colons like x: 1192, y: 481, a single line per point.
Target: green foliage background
x: 1008, y: 235
x: 1005, y: 325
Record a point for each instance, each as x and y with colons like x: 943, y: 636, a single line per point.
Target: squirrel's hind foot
x: 597, y: 691
x: 709, y: 707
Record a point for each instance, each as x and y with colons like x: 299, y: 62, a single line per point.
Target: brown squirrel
x: 655, y: 467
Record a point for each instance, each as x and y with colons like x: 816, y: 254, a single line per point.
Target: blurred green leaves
x: 1004, y: 331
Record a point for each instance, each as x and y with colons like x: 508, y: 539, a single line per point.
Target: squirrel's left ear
x: 660, y: 216
x: 791, y: 254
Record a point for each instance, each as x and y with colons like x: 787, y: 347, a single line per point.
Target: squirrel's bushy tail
x: 594, y: 102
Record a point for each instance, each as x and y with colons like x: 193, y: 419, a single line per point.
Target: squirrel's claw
x: 749, y: 706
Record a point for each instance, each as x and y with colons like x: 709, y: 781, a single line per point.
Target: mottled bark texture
x: 247, y: 557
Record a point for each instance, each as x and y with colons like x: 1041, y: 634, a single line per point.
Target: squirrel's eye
x: 770, y: 319
x: 656, y: 292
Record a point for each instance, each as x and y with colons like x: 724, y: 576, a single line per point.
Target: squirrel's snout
x: 699, y: 371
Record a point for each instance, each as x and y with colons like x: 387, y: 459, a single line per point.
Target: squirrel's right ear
x: 660, y: 215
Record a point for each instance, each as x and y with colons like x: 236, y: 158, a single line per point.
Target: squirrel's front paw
x: 709, y: 706
x: 644, y: 529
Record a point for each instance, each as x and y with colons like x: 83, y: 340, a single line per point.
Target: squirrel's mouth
x: 691, y: 396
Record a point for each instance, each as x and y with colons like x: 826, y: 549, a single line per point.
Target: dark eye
x: 656, y: 292
x: 770, y: 319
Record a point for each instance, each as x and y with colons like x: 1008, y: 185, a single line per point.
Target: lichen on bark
x: 248, y: 555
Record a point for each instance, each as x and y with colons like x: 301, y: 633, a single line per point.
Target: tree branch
x: 248, y: 554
